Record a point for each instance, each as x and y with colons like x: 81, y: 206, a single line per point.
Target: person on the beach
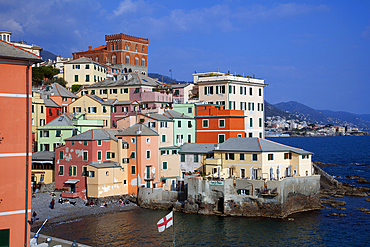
x: 52, y: 203
x: 33, y: 219
x: 120, y: 202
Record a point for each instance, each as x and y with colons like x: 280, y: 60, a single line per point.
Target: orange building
x: 15, y: 144
x: 121, y: 51
x: 214, y: 124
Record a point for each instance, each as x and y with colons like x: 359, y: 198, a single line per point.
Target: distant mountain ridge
x: 165, y: 79
x: 303, y: 112
x: 46, y: 55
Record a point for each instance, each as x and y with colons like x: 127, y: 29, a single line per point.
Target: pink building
x: 72, y: 159
x: 121, y: 109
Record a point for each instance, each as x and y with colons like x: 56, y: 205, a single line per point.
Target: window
x: 270, y: 157
x: 254, y: 157
x: 85, y: 156
x: 174, y: 151
x: 243, y: 106
x: 72, y: 143
x: 190, y: 110
x: 148, y: 154
x: 229, y: 156
x: 114, y: 59
x: 179, y: 124
x: 74, y: 132
x: 91, y: 109
x: 163, y: 124
x: 260, y: 134
x: 260, y: 92
x: 239, y: 135
x: 250, y: 134
x: 196, y: 158
x: 132, y: 139
x: 124, y: 109
x: 189, y: 138
x: 136, y: 61
x: 250, y: 91
x: 132, y: 156
x: 260, y: 122
x: 113, y: 91
x: 45, y: 133
x: 241, y: 156
x: 137, y: 90
x: 73, y: 171
x: 143, y: 62
x: 222, y: 102
x: 142, y: 50
x: 60, y: 155
x: 221, y: 123
x: 99, y: 155
x: 87, y: 79
x: 85, y: 143
x: 163, y: 139
x: 151, y: 124
x: 108, y: 155
x: 76, y: 78
x: 133, y: 170
x: 124, y: 146
x: 205, y: 123
x: 42, y: 109
x: 242, y: 175
x: 305, y: 156
x: 99, y: 142
x: 182, y: 158
x: 208, y: 90
x: 61, y: 170
x: 76, y: 109
x: 91, y: 174
x: 243, y: 90
x: 220, y: 89
x: 148, y: 140
x: 33, y: 108
x: 221, y: 138
x: 250, y: 122
x: 58, y: 133
x: 287, y: 156
x: 104, y: 109
x: 87, y: 66
x: 85, y: 173
x: 127, y: 59
x: 231, y: 89
x: 124, y: 90
x: 164, y: 165
x: 112, y: 155
x: 232, y: 105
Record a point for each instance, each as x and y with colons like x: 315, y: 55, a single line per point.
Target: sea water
x: 315, y: 228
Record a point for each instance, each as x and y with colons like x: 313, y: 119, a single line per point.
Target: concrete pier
x: 56, y: 241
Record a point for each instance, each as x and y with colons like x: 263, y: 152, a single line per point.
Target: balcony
x: 70, y: 194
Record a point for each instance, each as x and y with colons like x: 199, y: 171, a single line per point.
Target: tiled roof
x: 257, y: 145
x: 102, y: 47
x: 56, y: 89
x: 175, y: 114
x: 159, y: 117
x: 81, y: 60
x: 10, y: 51
x: 104, y: 164
x: 133, y: 79
x: 96, y: 134
x: 61, y: 121
x: 50, y: 103
x: 44, y: 155
x: 180, y: 85
x: 200, y: 148
x: 100, y: 100
x: 138, y: 130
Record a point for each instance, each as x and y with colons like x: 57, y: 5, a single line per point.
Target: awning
x: 71, y: 181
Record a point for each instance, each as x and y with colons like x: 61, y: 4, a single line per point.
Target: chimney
x: 90, y: 47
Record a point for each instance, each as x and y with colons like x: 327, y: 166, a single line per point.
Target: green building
x: 183, y: 127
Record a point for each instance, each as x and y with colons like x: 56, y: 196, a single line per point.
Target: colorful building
x: 83, y: 71
x: 193, y: 156
x: 59, y: 94
x: 235, y: 92
x: 142, y: 156
x: 94, y: 108
x: 182, y: 92
x: 53, y: 110
x: 42, y: 169
x: 72, y: 159
x: 38, y: 115
x: 187, y: 109
x: 183, y: 127
x: 121, y: 51
x: 214, y: 124
x: 256, y: 158
x: 52, y: 135
x: 15, y: 143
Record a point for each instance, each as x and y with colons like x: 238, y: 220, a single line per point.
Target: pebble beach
x: 63, y: 212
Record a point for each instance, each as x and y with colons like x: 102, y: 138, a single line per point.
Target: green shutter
x: 60, y: 155
x: 70, y: 171
x: 164, y: 165
x: 99, y: 155
x: 182, y: 157
x: 75, y: 171
x: 108, y: 155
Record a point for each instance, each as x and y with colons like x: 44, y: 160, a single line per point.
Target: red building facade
x: 214, y: 124
x: 123, y: 51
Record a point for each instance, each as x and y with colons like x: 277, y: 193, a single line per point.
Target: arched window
x: 97, y: 59
x: 125, y: 70
x: 142, y: 49
x: 136, y: 61
x: 129, y: 70
x: 115, y: 47
x: 114, y: 60
x: 143, y: 62
x: 125, y: 47
x: 129, y: 47
x: 136, y: 48
x: 127, y: 59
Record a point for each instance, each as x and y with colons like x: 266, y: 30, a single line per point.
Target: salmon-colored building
x: 15, y: 144
x: 214, y: 124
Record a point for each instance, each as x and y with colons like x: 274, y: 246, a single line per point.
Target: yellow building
x: 93, y: 107
x: 42, y: 168
x: 38, y: 113
x: 83, y: 71
x: 256, y: 158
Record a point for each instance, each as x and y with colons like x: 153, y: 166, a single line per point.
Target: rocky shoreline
x: 331, y: 189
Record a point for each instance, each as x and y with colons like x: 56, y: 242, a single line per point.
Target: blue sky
x: 313, y: 52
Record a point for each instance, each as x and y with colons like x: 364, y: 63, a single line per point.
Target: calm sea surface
x: 138, y: 228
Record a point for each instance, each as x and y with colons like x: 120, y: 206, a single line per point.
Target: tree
x: 58, y: 80
x: 75, y: 88
x: 39, y: 74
